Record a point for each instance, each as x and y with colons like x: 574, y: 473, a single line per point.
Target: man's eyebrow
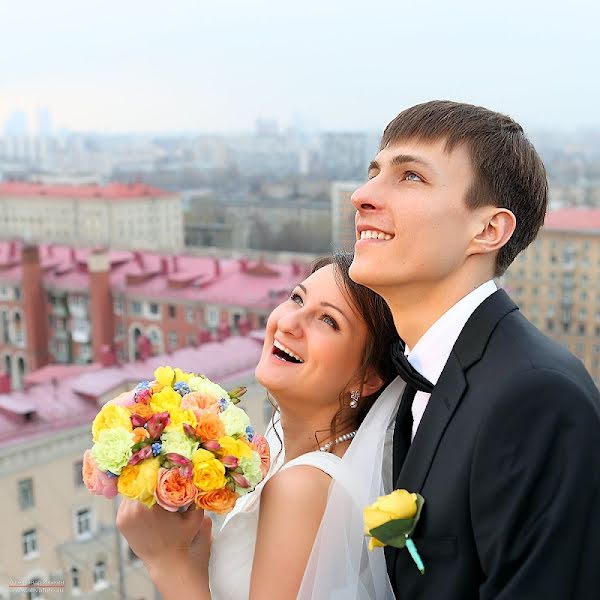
x: 328, y: 304
x: 402, y: 159
x: 373, y: 165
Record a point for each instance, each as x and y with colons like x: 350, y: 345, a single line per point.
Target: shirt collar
x: 431, y: 352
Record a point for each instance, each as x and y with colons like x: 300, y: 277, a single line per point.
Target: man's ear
x: 492, y: 230
x: 371, y: 383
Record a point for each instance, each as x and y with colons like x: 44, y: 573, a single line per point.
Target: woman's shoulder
x: 304, y: 477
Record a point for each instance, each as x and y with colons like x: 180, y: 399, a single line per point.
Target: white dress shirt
x: 431, y: 352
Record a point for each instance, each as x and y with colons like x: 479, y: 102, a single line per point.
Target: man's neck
x: 416, y: 308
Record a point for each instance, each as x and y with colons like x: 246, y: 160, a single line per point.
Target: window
x: 17, y: 292
x: 583, y: 296
x: 172, y: 310
x: 212, y: 316
x: 173, y: 339
x: 581, y: 329
x: 136, y: 308
x: 99, y: 572
x: 189, y: 315
x: 78, y: 473
x: 25, y: 493
x: 550, y: 325
x: 118, y: 306
x: 75, y: 578
x: 30, y: 543
x: 154, y: 308
x: 83, y: 522
x: 33, y: 591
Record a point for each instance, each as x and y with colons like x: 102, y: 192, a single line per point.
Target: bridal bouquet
x: 178, y: 441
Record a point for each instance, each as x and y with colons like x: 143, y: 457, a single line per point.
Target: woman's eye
x: 410, y: 176
x: 330, y: 321
x: 296, y: 298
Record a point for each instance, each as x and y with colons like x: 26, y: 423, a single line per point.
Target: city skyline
x: 129, y: 68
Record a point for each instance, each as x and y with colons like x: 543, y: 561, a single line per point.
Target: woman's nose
x: 291, y: 324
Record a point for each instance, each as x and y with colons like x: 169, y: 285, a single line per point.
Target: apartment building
x: 116, y: 215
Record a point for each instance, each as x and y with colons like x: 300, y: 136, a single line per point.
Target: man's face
x: 412, y: 225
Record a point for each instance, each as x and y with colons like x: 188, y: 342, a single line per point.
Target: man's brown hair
x: 507, y: 170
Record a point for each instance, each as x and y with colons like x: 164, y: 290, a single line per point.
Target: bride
x: 299, y: 534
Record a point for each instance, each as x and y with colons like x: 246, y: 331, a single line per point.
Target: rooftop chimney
x: 139, y: 259
x: 164, y: 266
x: 34, y: 307
x: 101, y: 304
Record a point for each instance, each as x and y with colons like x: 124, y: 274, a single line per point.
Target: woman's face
x: 314, y: 344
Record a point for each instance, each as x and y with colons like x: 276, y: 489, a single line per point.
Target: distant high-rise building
x: 346, y: 155
x: 342, y: 214
x: 16, y: 124
x: 44, y: 122
x: 267, y: 127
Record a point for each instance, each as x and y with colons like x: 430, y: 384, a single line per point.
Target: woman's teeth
x: 370, y: 234
x: 287, y: 351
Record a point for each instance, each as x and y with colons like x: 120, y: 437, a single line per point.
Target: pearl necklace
x: 339, y: 440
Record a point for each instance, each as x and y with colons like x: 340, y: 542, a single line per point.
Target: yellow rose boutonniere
x: 391, y: 519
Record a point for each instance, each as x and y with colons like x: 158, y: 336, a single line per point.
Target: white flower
x: 235, y: 420
x: 208, y: 388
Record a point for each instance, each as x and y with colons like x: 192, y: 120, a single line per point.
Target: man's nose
x: 365, y: 198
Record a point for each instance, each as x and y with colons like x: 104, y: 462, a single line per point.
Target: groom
x: 499, y: 427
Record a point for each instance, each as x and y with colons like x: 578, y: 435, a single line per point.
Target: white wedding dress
x: 340, y: 566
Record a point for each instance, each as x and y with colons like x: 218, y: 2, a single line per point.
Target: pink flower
x: 260, y: 444
x: 157, y: 423
x: 99, y: 483
x: 200, y: 404
x: 124, y: 399
x: 174, y: 491
x: 230, y: 462
x: 240, y: 480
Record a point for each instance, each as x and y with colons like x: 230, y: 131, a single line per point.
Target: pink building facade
x: 60, y: 304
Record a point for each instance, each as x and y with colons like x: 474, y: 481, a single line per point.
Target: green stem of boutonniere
x: 412, y: 549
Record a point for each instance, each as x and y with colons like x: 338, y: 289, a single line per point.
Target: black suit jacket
x: 507, y: 457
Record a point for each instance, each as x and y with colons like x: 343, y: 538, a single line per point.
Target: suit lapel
x: 450, y: 389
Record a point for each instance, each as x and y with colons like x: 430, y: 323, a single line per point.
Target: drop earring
x: 354, y: 397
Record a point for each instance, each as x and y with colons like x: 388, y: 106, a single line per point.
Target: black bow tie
x: 407, y: 371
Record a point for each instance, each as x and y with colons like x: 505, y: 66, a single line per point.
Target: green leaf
x: 393, y: 533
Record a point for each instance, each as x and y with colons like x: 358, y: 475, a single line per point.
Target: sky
x: 117, y: 66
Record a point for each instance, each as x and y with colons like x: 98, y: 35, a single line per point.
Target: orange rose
x: 200, y: 404
x: 139, y: 434
x: 173, y: 490
x: 139, y: 408
x: 210, y: 427
x: 217, y: 501
x: 260, y: 445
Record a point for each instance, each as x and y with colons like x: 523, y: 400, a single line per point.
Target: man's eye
x: 296, y: 298
x: 410, y: 176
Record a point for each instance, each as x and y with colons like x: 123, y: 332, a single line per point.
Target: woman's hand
x: 164, y: 541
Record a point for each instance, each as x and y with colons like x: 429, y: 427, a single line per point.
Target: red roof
x: 146, y: 274
x: 574, y: 219
x: 112, y: 191
x: 72, y: 400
